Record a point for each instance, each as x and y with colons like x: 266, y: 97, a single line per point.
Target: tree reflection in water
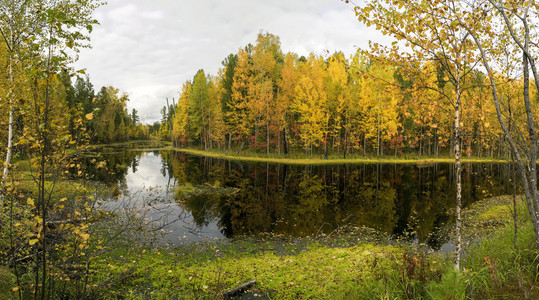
x: 253, y: 198
x: 309, y: 200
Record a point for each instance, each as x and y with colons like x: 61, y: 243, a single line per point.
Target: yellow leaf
x: 85, y: 236
x: 30, y: 201
x: 63, y: 199
x: 15, y: 289
x: 33, y: 242
x: 89, y: 116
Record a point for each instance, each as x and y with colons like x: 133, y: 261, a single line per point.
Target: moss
x: 484, y: 217
x: 494, y: 213
x: 363, y: 271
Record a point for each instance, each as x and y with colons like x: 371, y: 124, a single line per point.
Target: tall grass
x: 499, y: 269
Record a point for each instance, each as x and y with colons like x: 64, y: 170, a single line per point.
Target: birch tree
x: 16, y: 25
x: 515, y: 28
x: 423, y: 30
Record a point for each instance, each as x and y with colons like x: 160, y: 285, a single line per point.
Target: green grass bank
x: 300, y: 159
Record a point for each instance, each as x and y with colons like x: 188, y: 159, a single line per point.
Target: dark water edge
x: 194, y: 198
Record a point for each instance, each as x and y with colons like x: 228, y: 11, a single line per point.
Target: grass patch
x: 499, y: 270
x: 493, y: 266
x: 364, y: 271
x: 299, y: 159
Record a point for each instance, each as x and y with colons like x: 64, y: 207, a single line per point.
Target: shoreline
x: 330, y: 161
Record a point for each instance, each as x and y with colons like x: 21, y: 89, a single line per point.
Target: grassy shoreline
x: 256, y: 157
x: 301, y: 159
x: 319, y: 269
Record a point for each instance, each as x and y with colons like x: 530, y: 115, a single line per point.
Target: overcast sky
x: 149, y: 48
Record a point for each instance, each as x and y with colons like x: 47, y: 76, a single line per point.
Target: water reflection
x: 209, y: 197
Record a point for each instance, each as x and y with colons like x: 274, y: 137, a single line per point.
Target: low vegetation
x: 337, y: 267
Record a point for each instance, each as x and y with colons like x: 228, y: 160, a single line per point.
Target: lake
x: 191, y: 198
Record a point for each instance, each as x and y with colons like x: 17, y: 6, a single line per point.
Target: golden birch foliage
x: 379, y: 104
x: 356, y: 111
x: 427, y: 36
x: 310, y: 103
x: 237, y: 114
x: 216, y: 125
x: 181, y: 118
x: 287, y: 83
x: 428, y: 108
x: 265, y: 66
x: 265, y: 54
x: 335, y: 85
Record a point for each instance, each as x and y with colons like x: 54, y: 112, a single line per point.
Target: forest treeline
x: 105, y: 112
x: 275, y: 102
x: 78, y: 110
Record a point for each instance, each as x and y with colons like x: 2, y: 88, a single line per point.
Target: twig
x: 237, y: 289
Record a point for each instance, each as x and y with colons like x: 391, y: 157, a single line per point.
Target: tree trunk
x: 325, y: 146
x: 285, y: 144
x: 9, y: 152
x: 278, y: 143
x: 458, y: 168
x: 9, y: 141
x: 378, y: 139
x: 345, y: 147
x: 532, y: 153
x: 364, y: 145
x: 528, y: 183
x: 515, y: 215
x: 170, y: 118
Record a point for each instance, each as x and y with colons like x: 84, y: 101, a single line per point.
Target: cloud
x: 149, y: 48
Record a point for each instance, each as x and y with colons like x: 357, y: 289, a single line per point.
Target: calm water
x: 192, y: 198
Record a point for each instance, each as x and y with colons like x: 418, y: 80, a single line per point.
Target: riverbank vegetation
x: 320, y: 159
x: 352, y: 263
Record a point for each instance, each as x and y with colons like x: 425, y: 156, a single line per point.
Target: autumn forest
x: 269, y: 101
x: 405, y: 170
